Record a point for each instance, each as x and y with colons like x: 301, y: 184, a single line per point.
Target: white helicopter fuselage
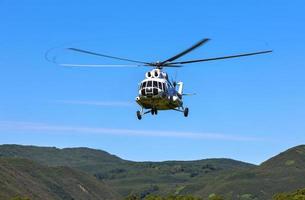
x: 158, y: 93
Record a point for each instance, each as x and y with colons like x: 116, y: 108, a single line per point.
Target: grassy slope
x: 281, y: 173
x: 125, y: 176
x: 231, y: 178
x: 167, y: 177
x: 27, y: 178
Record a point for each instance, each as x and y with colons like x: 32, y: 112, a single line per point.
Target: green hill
x: 51, y: 156
x: 125, y: 176
x: 22, y: 177
x: 230, y: 178
x: 293, y: 158
x: 284, y: 172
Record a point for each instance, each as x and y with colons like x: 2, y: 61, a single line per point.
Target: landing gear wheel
x: 154, y: 111
x: 186, y: 112
x: 139, y: 115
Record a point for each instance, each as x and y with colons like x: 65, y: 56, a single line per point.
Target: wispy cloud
x: 51, y: 128
x: 97, y: 103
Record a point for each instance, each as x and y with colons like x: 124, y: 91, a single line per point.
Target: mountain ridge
x: 107, y: 153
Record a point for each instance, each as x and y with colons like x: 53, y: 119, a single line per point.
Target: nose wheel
x: 154, y: 111
x: 141, y: 113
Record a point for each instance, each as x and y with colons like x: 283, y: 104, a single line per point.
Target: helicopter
x: 156, y: 92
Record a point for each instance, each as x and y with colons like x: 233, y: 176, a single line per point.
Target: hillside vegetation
x: 297, y: 195
x: 116, y: 178
x: 28, y: 178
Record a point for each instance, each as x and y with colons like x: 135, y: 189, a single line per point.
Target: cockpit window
x: 155, y: 83
x: 144, y: 84
x: 160, y: 85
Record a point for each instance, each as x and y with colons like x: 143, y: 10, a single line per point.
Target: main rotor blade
x: 96, y: 65
x: 107, y: 56
x: 174, y: 66
x: 221, y: 58
x: 198, y: 44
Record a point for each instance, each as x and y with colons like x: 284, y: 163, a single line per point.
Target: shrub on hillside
x: 297, y: 195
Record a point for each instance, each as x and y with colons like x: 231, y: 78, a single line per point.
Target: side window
x: 149, y: 84
x: 164, y: 88
x: 160, y: 85
x: 144, y: 84
x: 155, y: 83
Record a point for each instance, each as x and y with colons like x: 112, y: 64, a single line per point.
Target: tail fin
x: 180, y: 89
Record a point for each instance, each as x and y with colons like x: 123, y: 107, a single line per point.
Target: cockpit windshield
x: 152, y: 87
x: 155, y: 84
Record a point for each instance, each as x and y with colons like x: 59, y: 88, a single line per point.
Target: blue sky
x: 247, y: 109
